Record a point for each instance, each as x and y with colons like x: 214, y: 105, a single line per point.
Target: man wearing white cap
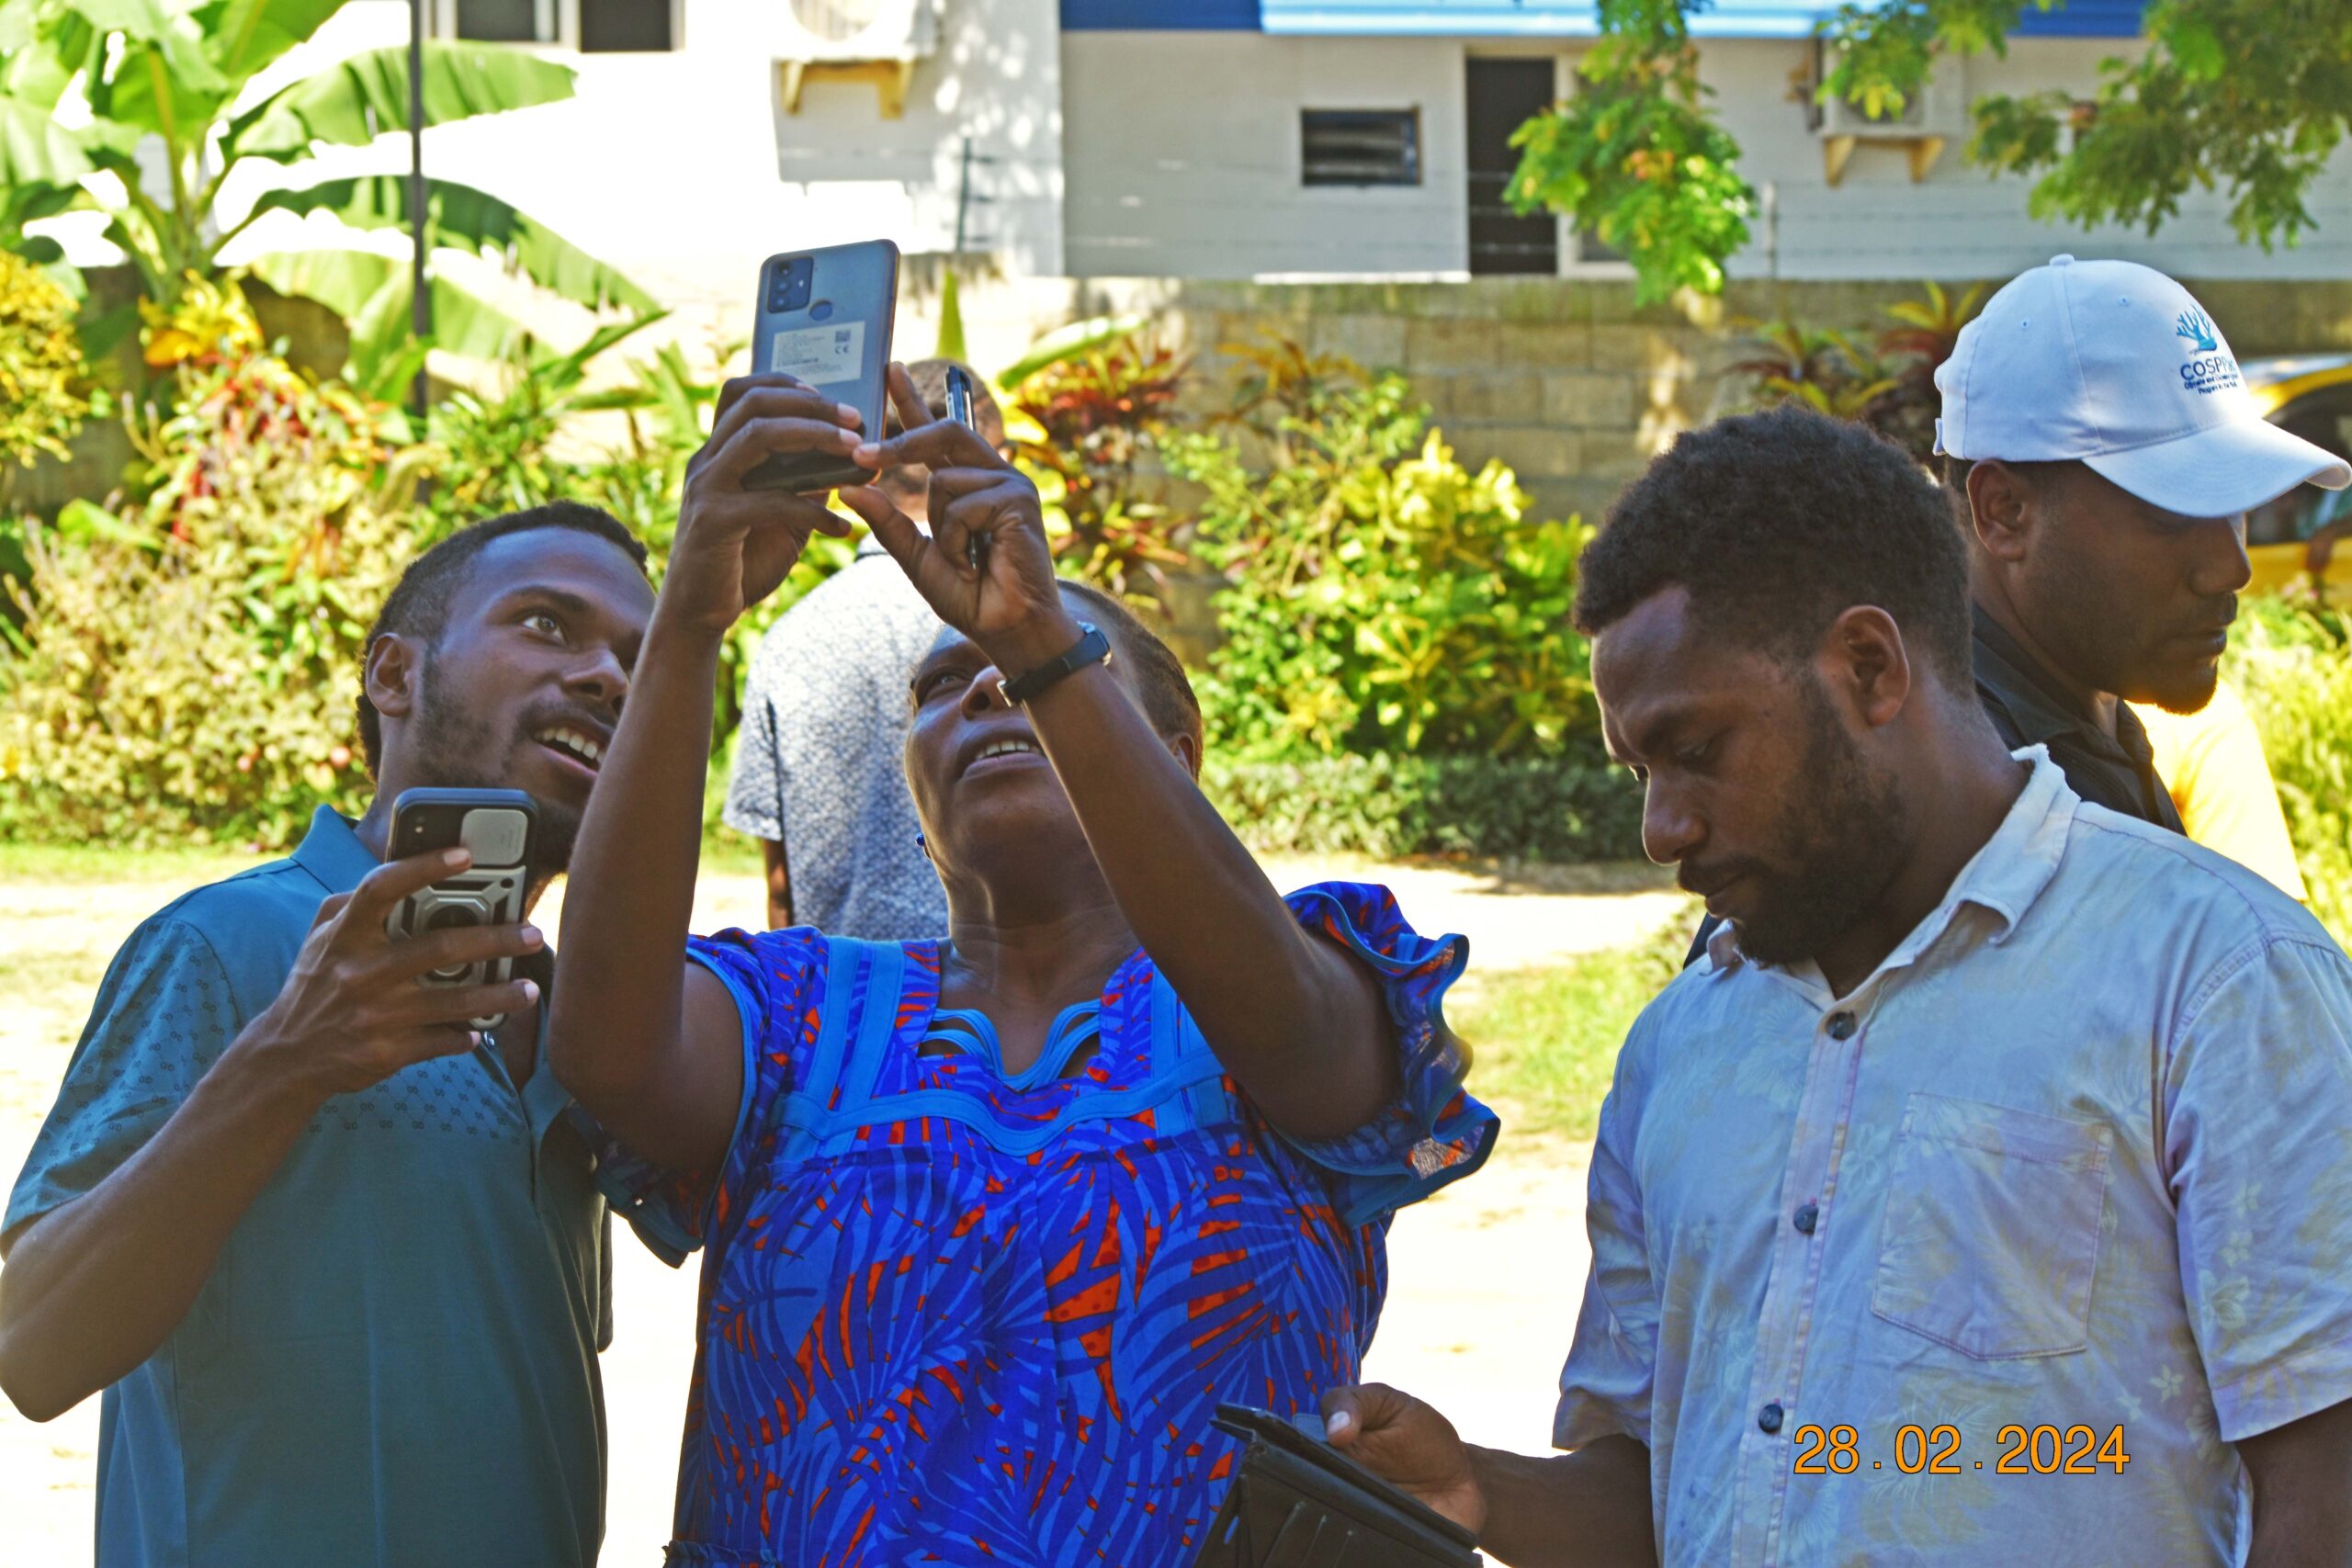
x: 2095, y: 423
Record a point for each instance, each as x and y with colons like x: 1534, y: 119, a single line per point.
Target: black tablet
x: 1297, y: 1503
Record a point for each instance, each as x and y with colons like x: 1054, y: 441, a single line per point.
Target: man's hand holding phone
x: 734, y: 546
x: 355, y: 1008
x: 1010, y: 602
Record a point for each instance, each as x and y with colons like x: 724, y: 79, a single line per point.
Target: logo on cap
x: 2211, y: 370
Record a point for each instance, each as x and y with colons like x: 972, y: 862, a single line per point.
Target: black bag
x: 1297, y: 1503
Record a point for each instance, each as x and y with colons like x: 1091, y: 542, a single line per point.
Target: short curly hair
x: 1778, y: 523
x: 1168, y: 700
x: 419, y: 604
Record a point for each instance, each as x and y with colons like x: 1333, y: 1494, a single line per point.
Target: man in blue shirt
x: 338, y: 1263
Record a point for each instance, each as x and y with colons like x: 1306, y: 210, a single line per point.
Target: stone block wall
x: 1577, y: 388
x: 1565, y: 379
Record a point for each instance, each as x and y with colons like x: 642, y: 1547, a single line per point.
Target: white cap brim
x: 2222, y: 470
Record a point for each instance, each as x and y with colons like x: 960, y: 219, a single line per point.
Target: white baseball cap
x: 2113, y: 364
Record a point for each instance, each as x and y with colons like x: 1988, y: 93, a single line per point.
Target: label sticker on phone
x: 819, y: 355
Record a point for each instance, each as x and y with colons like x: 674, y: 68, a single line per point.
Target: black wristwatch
x: 1091, y: 649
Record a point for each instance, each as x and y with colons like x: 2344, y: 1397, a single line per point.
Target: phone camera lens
x: 450, y: 916
x: 794, y: 284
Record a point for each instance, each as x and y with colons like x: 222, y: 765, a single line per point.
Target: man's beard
x: 2187, y: 693
x: 456, y: 748
x: 1844, y: 841
x: 2111, y: 644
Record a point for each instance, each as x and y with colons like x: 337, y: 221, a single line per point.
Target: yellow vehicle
x: 2311, y: 395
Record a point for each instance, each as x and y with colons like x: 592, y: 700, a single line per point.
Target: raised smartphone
x: 498, y: 826
x: 825, y: 317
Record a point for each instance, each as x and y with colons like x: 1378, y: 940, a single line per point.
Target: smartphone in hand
x: 959, y: 409
x: 825, y: 317
x: 498, y: 826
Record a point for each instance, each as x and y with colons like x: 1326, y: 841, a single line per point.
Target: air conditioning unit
x: 857, y: 40
x: 1933, y: 113
x: 823, y: 31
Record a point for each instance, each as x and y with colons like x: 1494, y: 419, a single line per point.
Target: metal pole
x: 420, y: 319
x: 963, y: 196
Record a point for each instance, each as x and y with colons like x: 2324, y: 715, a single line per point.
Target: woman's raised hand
x: 1011, y: 605
x: 735, y: 546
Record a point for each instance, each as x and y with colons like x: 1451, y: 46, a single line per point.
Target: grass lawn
x: 55, y: 865
x: 1544, y: 1040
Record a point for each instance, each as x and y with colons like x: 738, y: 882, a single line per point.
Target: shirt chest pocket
x: 1992, y: 1233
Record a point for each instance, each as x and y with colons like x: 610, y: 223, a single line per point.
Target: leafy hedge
x: 1568, y: 807
x: 187, y: 665
x: 2294, y: 667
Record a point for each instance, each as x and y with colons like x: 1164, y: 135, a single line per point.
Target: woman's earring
x: 923, y: 844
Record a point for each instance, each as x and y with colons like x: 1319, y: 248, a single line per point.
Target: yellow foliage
x: 41, y: 370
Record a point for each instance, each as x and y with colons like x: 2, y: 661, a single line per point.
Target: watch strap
x: 1093, y: 648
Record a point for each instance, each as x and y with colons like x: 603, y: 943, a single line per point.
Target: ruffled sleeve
x: 1435, y: 1133
x: 675, y: 1212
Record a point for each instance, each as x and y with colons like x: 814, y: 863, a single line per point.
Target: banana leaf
x: 1069, y: 343
x: 243, y: 36
x: 354, y: 102
x: 372, y: 293
x: 34, y: 150
x: 462, y: 217
x: 175, y: 38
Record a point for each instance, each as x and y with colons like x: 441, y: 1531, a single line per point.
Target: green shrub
x: 1101, y: 416
x: 516, y: 446
x: 41, y: 364
x: 1572, y: 806
x: 2293, y: 666
x: 187, y: 668
x: 1381, y: 597
x: 1887, y: 383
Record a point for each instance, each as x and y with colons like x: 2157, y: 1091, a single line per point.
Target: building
x: 1259, y: 140
x: 1328, y: 170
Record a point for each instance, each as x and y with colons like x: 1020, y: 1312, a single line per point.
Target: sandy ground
x: 1486, y: 1276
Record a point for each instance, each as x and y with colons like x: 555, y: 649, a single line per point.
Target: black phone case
x: 406, y: 916
x: 1296, y: 1503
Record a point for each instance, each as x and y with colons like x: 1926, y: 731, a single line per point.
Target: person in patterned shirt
x: 991, y: 1221
x: 817, y: 777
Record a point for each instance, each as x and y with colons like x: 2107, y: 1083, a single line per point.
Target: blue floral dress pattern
x: 953, y: 1315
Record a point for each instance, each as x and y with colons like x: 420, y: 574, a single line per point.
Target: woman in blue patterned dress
x: 989, y: 1225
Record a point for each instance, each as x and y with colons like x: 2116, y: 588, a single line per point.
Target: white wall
x: 683, y: 170
x: 1962, y: 222
x: 1183, y: 161
x: 1184, y: 152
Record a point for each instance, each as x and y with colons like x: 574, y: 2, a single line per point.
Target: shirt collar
x: 2037, y: 700
x: 332, y: 851
x: 2004, y: 877
x: 2042, y: 705
x: 2016, y: 862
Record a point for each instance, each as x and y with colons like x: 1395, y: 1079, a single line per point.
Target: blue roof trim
x: 1523, y: 18
x: 1161, y: 15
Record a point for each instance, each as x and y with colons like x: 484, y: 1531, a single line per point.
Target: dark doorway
x: 1503, y: 96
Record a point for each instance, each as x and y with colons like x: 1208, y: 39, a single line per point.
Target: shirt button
x: 1806, y: 1218
x: 1841, y: 1026
x: 1769, y: 1418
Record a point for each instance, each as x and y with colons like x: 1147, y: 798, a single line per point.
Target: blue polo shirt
x: 393, y: 1362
